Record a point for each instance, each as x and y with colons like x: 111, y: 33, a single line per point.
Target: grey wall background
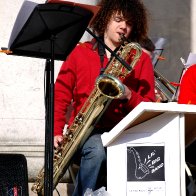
x: 171, y: 20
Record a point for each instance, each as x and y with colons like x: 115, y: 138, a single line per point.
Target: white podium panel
x: 145, y: 151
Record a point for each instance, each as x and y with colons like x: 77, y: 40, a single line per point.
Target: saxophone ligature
x: 108, y: 86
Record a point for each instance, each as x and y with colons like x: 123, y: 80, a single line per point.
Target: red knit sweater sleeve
x: 63, y: 93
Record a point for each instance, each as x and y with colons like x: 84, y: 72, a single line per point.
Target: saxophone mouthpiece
x: 123, y: 39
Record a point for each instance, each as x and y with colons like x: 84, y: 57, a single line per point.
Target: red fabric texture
x: 76, y: 80
x: 187, y: 94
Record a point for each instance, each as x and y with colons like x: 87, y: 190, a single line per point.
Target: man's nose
x: 123, y: 24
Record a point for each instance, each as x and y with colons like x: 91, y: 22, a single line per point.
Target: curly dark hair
x: 147, y: 44
x: 132, y: 10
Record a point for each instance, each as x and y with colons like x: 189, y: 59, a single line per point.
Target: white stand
x: 146, y: 150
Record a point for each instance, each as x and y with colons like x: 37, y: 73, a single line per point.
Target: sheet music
x: 191, y: 60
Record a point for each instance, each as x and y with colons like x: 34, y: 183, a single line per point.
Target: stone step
x: 64, y: 189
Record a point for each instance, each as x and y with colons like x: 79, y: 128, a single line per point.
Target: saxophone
x: 108, y: 86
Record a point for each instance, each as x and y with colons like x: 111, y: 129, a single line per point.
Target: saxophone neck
x: 123, y: 39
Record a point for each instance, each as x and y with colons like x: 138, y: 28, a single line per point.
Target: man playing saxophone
x: 78, y: 74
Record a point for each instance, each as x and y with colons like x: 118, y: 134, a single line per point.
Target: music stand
x: 48, y: 31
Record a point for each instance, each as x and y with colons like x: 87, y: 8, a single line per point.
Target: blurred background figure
x: 187, y: 95
x: 147, y: 46
x: 187, y: 91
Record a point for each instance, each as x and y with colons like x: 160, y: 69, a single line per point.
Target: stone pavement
x: 64, y: 189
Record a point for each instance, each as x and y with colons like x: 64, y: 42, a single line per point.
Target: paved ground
x: 64, y: 189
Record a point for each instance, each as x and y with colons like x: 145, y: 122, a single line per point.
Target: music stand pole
x: 49, y: 127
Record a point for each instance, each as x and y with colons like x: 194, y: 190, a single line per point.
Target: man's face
x: 117, y: 26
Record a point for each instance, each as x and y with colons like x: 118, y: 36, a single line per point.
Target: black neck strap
x: 101, y: 52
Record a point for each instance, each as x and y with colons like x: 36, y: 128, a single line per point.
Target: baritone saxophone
x: 108, y: 86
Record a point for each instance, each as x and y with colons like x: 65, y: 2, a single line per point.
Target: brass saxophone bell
x: 110, y: 86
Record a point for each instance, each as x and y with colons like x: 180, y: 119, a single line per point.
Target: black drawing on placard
x: 145, y: 163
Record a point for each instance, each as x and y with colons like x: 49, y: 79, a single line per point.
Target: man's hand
x: 57, y: 140
x: 127, y: 94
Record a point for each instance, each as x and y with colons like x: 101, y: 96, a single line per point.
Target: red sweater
x: 76, y: 80
x: 187, y: 93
